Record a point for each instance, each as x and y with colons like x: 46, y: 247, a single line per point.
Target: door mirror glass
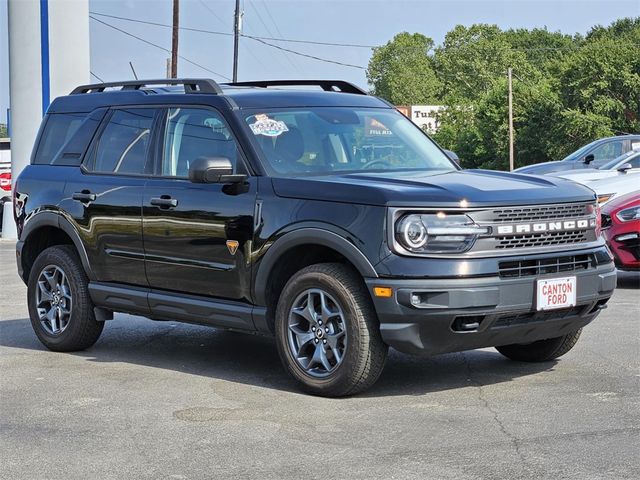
x: 210, y: 170
x: 453, y: 156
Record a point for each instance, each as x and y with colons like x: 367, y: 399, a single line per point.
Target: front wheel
x: 327, y: 331
x: 542, y: 350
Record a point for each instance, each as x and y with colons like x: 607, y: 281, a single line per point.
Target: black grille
x: 527, y: 317
x: 606, y: 220
x: 542, y: 212
x: 541, y: 239
x: 542, y: 266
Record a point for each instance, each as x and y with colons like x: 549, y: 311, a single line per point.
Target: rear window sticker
x: 268, y: 126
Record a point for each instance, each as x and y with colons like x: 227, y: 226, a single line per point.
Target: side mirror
x: 453, y: 156
x: 624, y: 167
x: 213, y: 170
x: 589, y: 158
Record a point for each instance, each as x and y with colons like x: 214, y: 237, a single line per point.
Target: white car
x: 609, y: 188
x: 628, y: 163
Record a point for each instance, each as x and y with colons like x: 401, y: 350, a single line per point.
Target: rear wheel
x: 60, y: 307
x: 542, y: 350
x: 327, y: 331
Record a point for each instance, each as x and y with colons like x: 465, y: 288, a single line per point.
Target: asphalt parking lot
x: 163, y: 400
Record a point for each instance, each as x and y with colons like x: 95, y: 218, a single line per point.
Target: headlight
x: 629, y: 214
x: 605, y: 197
x: 437, y: 233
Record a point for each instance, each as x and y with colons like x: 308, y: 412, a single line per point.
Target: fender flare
x: 308, y: 235
x: 53, y: 219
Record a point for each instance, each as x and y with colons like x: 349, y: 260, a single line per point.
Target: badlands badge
x: 232, y: 245
x: 268, y: 126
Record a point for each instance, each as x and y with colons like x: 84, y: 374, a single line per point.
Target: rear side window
x: 58, y: 129
x: 123, y: 145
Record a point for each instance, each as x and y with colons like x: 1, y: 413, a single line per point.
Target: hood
x: 545, y: 167
x: 620, y: 185
x: 588, y: 175
x: 475, y: 188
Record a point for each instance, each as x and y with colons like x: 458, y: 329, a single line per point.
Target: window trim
x: 160, y: 150
x: 89, y: 159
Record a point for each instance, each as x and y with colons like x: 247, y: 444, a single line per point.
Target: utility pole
x: 174, y: 39
x: 236, y: 40
x: 511, y: 156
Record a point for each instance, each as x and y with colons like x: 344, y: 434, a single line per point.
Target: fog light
x: 384, y: 292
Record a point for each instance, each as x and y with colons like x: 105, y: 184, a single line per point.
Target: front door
x: 197, y: 237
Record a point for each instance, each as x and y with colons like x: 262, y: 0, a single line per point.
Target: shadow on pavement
x: 628, y: 280
x: 253, y: 360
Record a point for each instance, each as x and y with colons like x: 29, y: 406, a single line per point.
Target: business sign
x: 424, y: 116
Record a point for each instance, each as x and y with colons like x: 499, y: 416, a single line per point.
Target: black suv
x: 321, y: 216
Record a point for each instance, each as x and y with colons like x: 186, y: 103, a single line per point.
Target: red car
x: 621, y: 228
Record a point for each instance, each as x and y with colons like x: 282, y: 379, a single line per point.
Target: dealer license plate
x: 556, y: 293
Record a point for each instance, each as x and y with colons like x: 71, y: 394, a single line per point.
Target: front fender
x: 302, y: 236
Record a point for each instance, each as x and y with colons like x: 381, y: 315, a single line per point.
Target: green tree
x: 402, y: 70
x: 3, y: 130
x: 473, y: 59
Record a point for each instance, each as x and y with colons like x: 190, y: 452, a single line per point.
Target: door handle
x: 165, y: 201
x: 84, y: 196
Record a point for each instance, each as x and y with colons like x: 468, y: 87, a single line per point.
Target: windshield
x: 326, y: 140
x: 632, y: 157
x: 578, y: 154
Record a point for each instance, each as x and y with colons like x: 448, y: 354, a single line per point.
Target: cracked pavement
x: 163, y: 400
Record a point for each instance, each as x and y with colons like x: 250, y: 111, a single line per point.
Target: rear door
x: 105, y: 195
x: 197, y: 237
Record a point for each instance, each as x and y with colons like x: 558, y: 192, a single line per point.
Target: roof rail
x: 327, y: 85
x: 191, y: 85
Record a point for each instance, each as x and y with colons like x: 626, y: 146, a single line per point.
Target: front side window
x: 191, y: 133
x: 608, y: 151
x: 123, y: 146
x: 327, y: 140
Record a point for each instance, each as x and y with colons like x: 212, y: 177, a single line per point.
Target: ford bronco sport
x: 317, y: 214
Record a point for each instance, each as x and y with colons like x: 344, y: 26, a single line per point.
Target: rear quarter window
x: 58, y: 129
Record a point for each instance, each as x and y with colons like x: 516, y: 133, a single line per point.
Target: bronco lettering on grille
x: 539, y: 227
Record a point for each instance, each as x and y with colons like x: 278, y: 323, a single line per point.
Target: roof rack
x: 191, y: 85
x: 326, y: 85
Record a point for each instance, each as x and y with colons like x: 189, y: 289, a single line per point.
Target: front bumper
x: 468, y: 313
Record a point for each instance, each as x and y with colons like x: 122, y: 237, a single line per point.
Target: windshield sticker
x: 267, y: 126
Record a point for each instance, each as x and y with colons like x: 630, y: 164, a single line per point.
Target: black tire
x: 364, y: 353
x: 82, y: 330
x: 542, y: 350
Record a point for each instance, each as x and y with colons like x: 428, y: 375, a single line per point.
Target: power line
x: 275, y: 24
x: 252, y: 37
x: 255, y: 9
x: 257, y: 39
x: 214, y: 32
x: 212, y: 12
x: 352, y: 45
x: 158, y: 46
x: 156, y: 24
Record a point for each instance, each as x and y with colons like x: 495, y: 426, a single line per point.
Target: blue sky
x: 367, y: 22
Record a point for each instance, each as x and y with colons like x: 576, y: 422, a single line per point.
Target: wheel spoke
x: 326, y: 312
x: 45, y: 295
x: 320, y: 358
x: 50, y: 278
x: 52, y: 316
x: 303, y: 338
